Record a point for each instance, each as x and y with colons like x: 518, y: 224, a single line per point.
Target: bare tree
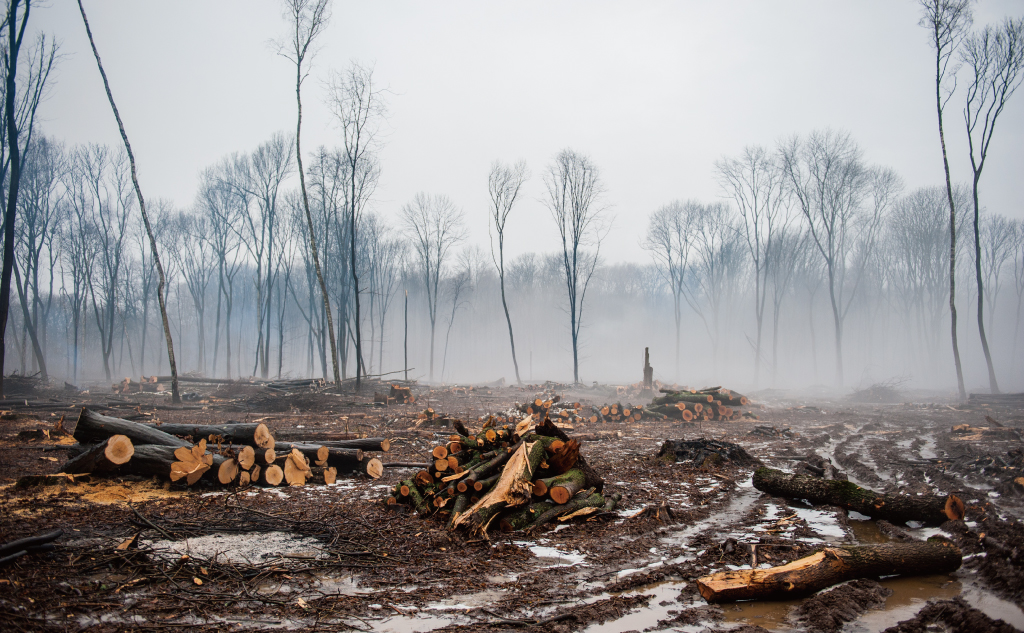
x: 995, y: 61
x: 42, y: 208
x: 358, y: 108
x: 503, y: 184
x: 668, y: 240
x: 15, y: 141
x: 458, y: 284
x: 1018, y: 281
x: 574, y: 189
x: 948, y: 23
x: 309, y: 19
x: 715, y: 263
x: 435, y: 227
x: 999, y: 238
x: 790, y: 244
x: 196, y: 261
x: 175, y: 395
x: 756, y: 184
x: 385, y: 254
x: 831, y: 184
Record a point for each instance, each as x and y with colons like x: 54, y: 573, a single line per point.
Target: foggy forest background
x: 815, y: 266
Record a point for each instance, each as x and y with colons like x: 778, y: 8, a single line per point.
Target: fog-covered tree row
x: 834, y: 277
x: 813, y: 264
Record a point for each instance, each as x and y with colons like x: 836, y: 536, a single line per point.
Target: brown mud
x: 336, y: 558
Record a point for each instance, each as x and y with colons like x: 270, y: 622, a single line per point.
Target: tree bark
x: 831, y: 566
x: 93, y: 427
x: 930, y: 509
x: 175, y: 395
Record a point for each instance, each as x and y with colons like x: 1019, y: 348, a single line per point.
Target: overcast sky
x: 653, y: 92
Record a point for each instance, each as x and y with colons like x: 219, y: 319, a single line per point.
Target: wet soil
x: 336, y: 558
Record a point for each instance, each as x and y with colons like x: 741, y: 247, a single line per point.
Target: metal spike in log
x: 831, y: 566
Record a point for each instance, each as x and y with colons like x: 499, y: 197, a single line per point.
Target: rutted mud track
x: 335, y: 558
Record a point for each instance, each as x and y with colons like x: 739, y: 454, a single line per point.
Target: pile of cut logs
x: 397, y: 395
x: 619, y: 412
x: 553, y: 407
x: 511, y: 478
x: 713, y: 403
x: 228, y: 454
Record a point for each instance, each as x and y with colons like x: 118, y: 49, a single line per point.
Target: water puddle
x: 252, y: 548
x: 732, y: 513
x: 666, y: 596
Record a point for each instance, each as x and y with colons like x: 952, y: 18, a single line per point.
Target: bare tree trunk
x: 14, y: 40
x: 406, y: 345
x: 30, y: 326
x: 993, y: 385
x: 175, y: 395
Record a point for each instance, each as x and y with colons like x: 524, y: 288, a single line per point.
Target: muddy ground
x: 144, y: 555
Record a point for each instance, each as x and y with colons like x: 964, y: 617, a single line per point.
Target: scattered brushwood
x: 931, y: 509
x: 831, y: 566
x: 619, y: 412
x: 887, y: 392
x: 705, y: 452
x: 711, y: 404
x: 227, y: 454
x: 505, y: 476
x: 772, y: 432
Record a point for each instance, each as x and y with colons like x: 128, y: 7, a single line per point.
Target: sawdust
x: 105, y: 491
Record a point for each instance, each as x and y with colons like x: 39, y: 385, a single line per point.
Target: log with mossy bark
x: 930, y: 509
x: 831, y: 566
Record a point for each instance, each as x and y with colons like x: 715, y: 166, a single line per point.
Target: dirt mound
x: 829, y: 610
x: 956, y: 615
x: 706, y: 452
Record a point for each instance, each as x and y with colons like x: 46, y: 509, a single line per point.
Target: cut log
x: 380, y: 444
x: 829, y: 567
x: 566, y: 486
x: 246, y: 457
x: 228, y: 470
x: 371, y: 467
x: 343, y: 459
x: 273, y: 475
x: 593, y: 500
x: 244, y: 478
x: 93, y: 427
x: 254, y: 474
x: 149, y: 460
x: 106, y: 456
x: 192, y: 463
x: 929, y: 508
x: 249, y: 433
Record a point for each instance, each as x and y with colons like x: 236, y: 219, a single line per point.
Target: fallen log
x: 831, y: 566
x: 93, y: 427
x: 930, y: 509
x: 30, y: 542
x: 151, y: 460
x: 250, y: 433
x: 106, y: 456
x: 381, y: 444
x: 344, y: 459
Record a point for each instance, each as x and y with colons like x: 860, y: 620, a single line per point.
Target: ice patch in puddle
x: 553, y: 556
x: 824, y: 523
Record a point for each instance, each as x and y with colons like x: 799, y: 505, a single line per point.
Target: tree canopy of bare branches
x: 574, y: 190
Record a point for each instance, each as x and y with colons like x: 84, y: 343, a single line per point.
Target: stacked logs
x: 505, y: 477
x: 228, y: 454
x: 618, y: 412
x: 711, y: 404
